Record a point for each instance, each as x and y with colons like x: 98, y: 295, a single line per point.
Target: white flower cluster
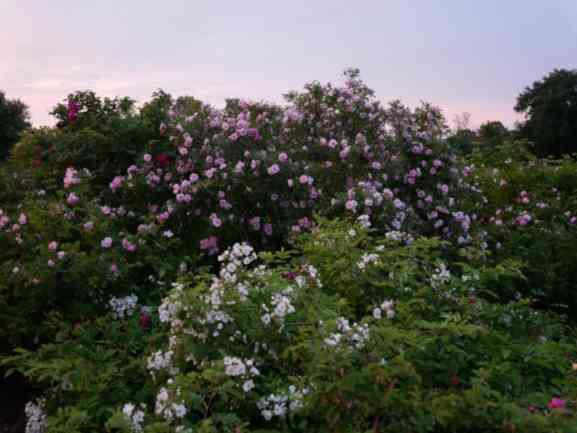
x: 35, y: 417
x: 313, y: 275
x: 134, y: 415
x: 244, y: 368
x: 395, y: 235
x: 355, y: 335
x: 232, y: 261
x: 366, y: 260
x: 387, y: 307
x: 124, y: 307
x: 365, y: 221
x: 166, y: 408
x: 281, y: 405
x: 161, y: 361
x: 235, y: 257
x: 171, y: 305
x: 282, y: 307
x: 441, y: 275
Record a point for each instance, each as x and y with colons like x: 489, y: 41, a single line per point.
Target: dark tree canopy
x: 550, y: 109
x: 84, y: 109
x: 493, y: 130
x: 14, y: 118
x: 493, y: 133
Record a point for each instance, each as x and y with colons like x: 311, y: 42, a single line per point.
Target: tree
x: 492, y: 133
x: 461, y: 138
x: 493, y: 130
x: 84, y: 109
x: 14, y: 118
x: 462, y: 141
x: 550, y: 109
x: 461, y: 121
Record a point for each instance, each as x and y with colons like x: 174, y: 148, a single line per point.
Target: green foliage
x: 550, y: 108
x: 462, y: 141
x: 492, y: 134
x: 529, y: 211
x: 344, y: 334
x: 93, y: 112
x: 493, y: 131
x: 14, y: 118
x: 357, y: 327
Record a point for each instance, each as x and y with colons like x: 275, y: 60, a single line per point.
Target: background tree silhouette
x: 550, y: 109
x: 14, y: 118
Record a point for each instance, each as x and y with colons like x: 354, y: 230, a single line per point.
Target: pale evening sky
x: 462, y: 55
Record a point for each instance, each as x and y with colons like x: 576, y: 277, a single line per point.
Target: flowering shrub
x: 529, y: 212
x: 167, y: 272
x: 276, y: 342
x: 250, y: 172
x: 258, y: 172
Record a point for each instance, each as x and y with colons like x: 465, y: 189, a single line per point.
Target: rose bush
x: 250, y: 172
x: 394, y: 339
x: 324, y: 265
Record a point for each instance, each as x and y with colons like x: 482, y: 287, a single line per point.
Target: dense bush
x: 530, y: 213
x: 347, y: 334
x: 249, y: 172
x: 397, y: 287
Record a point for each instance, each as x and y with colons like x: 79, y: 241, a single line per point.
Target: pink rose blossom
x: 351, y: 205
x: 116, y: 183
x: 556, y: 403
x: 128, y: 246
x: 72, y: 199
x: 210, y: 245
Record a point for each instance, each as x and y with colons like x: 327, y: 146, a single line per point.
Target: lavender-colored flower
x: 128, y: 246
x: 72, y: 199
x: 215, y: 221
x: 273, y: 169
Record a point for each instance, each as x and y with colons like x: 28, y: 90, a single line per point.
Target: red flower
x: 162, y: 159
x: 144, y: 320
x: 455, y: 380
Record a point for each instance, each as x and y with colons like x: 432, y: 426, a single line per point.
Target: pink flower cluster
x: 331, y: 150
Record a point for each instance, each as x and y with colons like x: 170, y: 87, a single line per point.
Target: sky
x: 465, y: 56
